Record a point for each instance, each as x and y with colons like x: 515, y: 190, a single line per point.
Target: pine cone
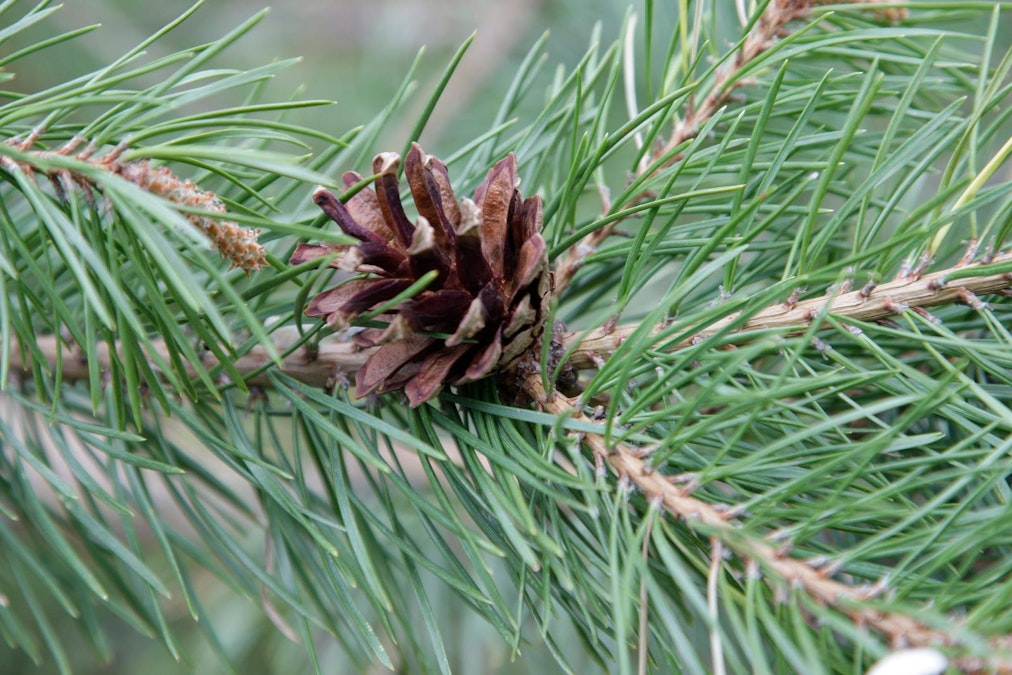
x: 487, y: 304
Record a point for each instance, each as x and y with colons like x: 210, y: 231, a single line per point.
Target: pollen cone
x: 487, y: 303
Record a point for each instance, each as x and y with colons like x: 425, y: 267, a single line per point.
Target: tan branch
x: 332, y: 360
x: 764, y: 34
x: 812, y: 577
x: 871, y: 303
x: 316, y: 368
x: 715, y: 520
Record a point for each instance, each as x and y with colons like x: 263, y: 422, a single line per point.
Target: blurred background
x: 354, y: 53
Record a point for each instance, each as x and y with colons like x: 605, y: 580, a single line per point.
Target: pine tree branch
x: 961, y: 283
x: 333, y: 361
x: 69, y: 171
x: 760, y: 552
x: 770, y: 27
x: 812, y: 576
x: 320, y: 366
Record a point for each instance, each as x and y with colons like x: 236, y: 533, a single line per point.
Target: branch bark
x: 871, y: 303
x: 812, y: 577
x: 333, y: 360
x: 316, y: 368
x: 764, y: 34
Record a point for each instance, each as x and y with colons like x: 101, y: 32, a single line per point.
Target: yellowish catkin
x: 234, y: 242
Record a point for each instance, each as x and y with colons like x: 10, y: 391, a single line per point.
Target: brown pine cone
x: 487, y: 304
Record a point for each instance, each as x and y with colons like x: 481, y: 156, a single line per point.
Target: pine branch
x: 335, y: 361
x: 812, y: 576
x: 79, y: 170
x: 500, y: 483
x: 332, y: 362
x: 319, y: 366
x: 962, y: 283
x: 768, y: 29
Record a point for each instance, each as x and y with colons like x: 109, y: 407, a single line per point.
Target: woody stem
x: 962, y: 283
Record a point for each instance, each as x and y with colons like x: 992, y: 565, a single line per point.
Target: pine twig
x: 321, y: 366
x: 809, y: 576
x: 764, y: 34
x: 870, y: 303
x: 961, y: 283
x: 332, y: 360
x: 232, y: 241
